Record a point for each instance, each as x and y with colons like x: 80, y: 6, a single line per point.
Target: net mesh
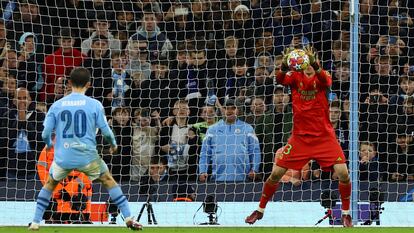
x: 163, y: 71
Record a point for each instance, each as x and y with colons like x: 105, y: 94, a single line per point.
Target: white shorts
x: 93, y: 170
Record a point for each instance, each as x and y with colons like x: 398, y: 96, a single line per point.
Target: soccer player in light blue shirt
x: 75, y: 120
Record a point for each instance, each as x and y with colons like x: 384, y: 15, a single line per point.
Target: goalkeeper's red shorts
x: 325, y: 150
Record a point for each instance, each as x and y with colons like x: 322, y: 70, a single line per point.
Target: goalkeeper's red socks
x: 345, y: 191
x: 268, y: 190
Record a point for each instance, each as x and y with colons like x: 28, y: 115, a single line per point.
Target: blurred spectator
x: 241, y: 26
x: 181, y: 55
x: 58, y: 92
x: 265, y: 59
x: 341, y: 78
x: 262, y: 85
x: 159, y: 92
x: 197, y: 133
x: 140, y: 7
x: 98, y: 62
x: 3, y: 76
x: 121, y: 83
x: 61, y: 62
x: 340, y: 127
x: 7, y: 94
x: 369, y: 165
x: 374, y: 120
x: 287, y: 22
x: 400, y: 160
x: 199, y: 130
x: 276, y: 127
x: 138, y: 60
x: 231, y: 149
x: 265, y: 43
x: 134, y: 91
x: 29, y: 71
x: 126, y: 24
x: 262, y: 12
x: 369, y: 21
x: 121, y: 160
x: 382, y: 77
x: 405, y: 116
x: 21, y: 135
x: 149, y: 32
x: 143, y: 141
x: 101, y: 27
x: 178, y: 24
x: 205, y: 26
x: 3, y: 41
x: 95, y: 7
x: 225, y: 63
x: 155, y: 174
x: 6, y: 102
x: 232, y: 4
x: 238, y: 79
x: 299, y: 42
x: 340, y: 55
x: 192, y: 82
x: 79, y: 24
x: 179, y: 66
x: 397, y: 51
x: 405, y: 90
x: 257, y: 111
x: 28, y: 19
x: 10, y: 61
x: 175, y: 144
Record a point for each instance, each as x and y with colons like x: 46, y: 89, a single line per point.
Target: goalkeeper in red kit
x: 313, y: 136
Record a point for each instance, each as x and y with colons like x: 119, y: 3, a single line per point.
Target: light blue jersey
x: 75, y: 119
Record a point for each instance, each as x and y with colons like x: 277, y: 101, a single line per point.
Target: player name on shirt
x: 307, y: 94
x: 73, y: 103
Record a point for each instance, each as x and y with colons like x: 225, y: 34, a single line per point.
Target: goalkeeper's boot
x: 256, y: 215
x: 132, y: 224
x: 33, y: 226
x: 346, y: 220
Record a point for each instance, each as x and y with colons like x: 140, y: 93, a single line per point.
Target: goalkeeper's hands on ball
x: 285, y: 66
x: 313, y: 58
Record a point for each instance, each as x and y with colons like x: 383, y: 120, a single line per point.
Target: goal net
x: 189, y: 90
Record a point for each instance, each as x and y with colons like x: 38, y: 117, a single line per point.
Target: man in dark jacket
x: 20, y: 134
x: 98, y: 63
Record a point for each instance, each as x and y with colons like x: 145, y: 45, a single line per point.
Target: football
x: 298, y: 60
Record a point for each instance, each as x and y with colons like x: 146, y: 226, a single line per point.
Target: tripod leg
x: 153, y: 215
x: 141, y: 211
x: 149, y: 213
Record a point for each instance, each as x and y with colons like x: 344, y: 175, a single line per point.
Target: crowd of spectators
x: 167, y: 72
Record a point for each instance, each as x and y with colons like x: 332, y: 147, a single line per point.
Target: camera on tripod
x: 149, y: 190
x: 328, y: 201
x: 210, y: 207
x: 376, y: 199
x: 113, y: 210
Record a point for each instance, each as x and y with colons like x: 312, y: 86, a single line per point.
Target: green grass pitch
x: 211, y: 230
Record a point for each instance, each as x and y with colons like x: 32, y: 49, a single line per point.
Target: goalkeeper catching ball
x: 313, y: 136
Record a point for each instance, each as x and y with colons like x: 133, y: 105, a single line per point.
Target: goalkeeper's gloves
x: 313, y: 58
x: 285, y: 67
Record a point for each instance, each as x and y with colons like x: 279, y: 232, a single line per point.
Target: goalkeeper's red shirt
x: 310, y: 102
